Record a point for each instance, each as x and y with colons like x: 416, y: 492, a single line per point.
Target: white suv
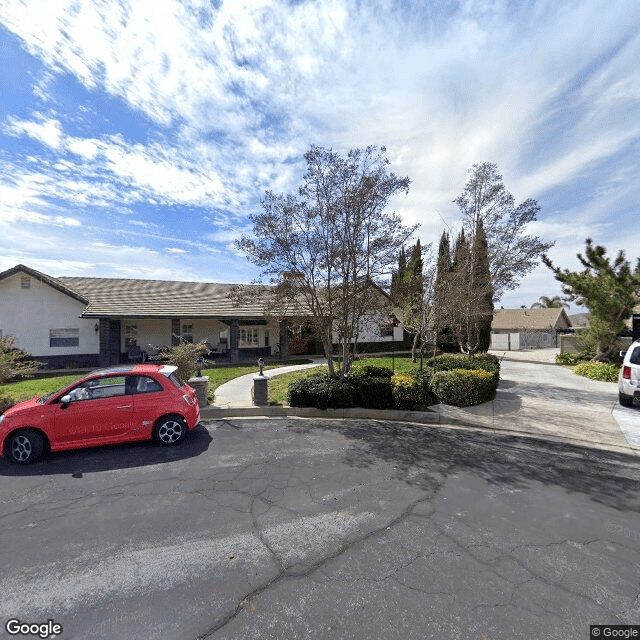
x: 629, y: 376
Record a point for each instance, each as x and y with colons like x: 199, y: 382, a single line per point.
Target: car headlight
x: 2, y: 418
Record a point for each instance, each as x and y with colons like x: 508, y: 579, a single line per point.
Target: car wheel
x: 170, y: 430
x: 625, y: 400
x: 25, y: 446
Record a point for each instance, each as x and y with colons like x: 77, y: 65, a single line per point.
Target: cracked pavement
x: 306, y: 528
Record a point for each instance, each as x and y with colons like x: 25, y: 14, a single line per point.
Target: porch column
x: 284, y: 340
x: 234, y: 333
x: 175, y: 331
x: 103, y: 356
x: 109, y: 342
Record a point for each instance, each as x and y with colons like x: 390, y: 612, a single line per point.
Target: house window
x: 248, y: 337
x: 386, y: 331
x: 64, y: 337
x: 130, y: 335
x: 25, y: 282
x: 266, y: 337
x: 187, y: 332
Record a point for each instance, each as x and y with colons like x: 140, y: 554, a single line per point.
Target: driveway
x: 547, y: 400
x: 293, y: 528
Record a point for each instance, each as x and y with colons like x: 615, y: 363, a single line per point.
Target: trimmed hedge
x: 463, y: 387
x: 454, y: 379
x: 408, y: 391
x: 598, y: 371
x: 485, y: 361
x: 374, y: 393
x: 321, y: 392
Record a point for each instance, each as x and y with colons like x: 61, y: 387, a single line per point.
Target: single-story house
x: 87, y: 322
x: 513, y: 329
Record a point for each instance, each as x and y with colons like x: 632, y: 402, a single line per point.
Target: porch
x: 230, y: 339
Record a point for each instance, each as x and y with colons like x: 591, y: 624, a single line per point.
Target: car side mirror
x: 623, y: 353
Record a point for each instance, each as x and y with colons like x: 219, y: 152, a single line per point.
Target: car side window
x: 81, y: 392
x: 144, y: 384
x: 634, y: 358
x: 108, y: 387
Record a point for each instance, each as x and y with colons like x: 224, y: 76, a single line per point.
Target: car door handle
x: 125, y: 406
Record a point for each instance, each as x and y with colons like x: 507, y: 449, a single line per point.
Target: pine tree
x: 609, y: 289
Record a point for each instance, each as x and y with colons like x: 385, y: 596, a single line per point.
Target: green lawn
x: 35, y: 387
x: 278, y: 386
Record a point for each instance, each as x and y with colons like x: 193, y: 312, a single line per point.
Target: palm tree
x: 549, y: 303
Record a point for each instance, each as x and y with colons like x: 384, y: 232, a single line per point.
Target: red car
x: 118, y: 404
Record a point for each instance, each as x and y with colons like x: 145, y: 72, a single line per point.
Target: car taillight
x: 626, y: 373
x: 190, y: 400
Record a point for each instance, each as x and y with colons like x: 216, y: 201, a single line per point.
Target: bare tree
x: 334, y: 241
x: 512, y: 254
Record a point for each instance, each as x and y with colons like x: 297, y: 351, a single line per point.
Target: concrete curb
x: 431, y: 418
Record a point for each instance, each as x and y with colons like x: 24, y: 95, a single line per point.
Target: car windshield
x: 45, y: 398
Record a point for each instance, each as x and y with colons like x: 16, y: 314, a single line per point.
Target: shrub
x: 484, y: 361
x: 360, y: 371
x: 374, y: 393
x: 568, y: 358
x: 14, y: 363
x: 424, y: 376
x: 408, y: 391
x: 5, y: 403
x: 598, y: 371
x: 321, y: 392
x: 186, y: 356
x: 463, y: 387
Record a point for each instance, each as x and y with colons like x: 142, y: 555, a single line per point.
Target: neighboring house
x: 87, y: 322
x: 514, y: 329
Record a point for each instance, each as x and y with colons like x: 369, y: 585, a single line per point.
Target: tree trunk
x: 328, y: 354
x: 414, y: 347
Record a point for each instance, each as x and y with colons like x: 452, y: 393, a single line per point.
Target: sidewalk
x: 237, y: 392
x: 533, y: 399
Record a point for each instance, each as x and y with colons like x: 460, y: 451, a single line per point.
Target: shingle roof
x: 115, y: 297
x: 535, y: 319
x: 56, y: 283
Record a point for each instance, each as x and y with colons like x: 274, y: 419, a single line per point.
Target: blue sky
x: 136, y: 137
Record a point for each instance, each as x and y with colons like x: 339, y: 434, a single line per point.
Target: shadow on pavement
x: 431, y: 454
x: 110, y: 457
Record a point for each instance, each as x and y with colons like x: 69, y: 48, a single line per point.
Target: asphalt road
x: 293, y: 528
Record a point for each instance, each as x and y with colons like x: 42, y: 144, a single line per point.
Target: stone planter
x: 200, y: 385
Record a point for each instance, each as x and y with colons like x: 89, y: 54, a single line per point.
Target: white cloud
x: 87, y: 148
x: 44, y: 130
x: 549, y: 92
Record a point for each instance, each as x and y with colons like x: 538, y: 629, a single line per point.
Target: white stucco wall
x: 28, y: 314
x: 369, y: 330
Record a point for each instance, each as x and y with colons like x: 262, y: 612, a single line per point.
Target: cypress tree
x: 482, y: 290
